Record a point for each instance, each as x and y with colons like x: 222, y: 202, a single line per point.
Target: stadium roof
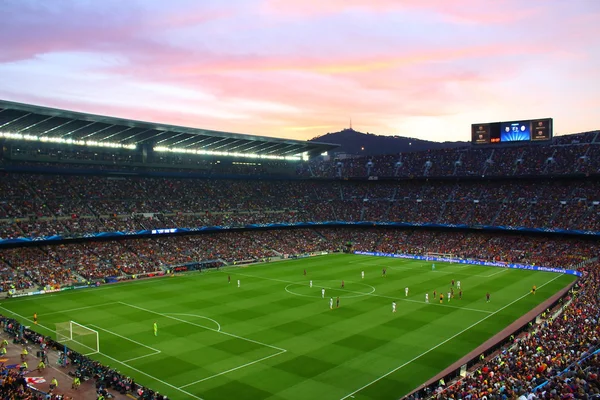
x: 33, y: 122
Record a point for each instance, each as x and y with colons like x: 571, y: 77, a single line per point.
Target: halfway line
x: 373, y: 294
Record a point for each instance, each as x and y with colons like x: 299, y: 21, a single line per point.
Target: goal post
x: 448, y: 256
x: 431, y: 259
x: 77, y: 337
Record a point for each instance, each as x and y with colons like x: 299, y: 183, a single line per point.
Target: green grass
x: 275, y: 338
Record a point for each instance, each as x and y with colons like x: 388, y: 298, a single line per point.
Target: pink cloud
x: 300, y: 67
x: 75, y: 27
x: 459, y: 11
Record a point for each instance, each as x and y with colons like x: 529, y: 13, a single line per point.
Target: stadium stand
x: 34, y: 205
x: 73, y: 192
x: 567, y: 155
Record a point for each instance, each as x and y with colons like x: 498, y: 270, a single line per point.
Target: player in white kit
x: 406, y: 292
x: 449, y: 296
x: 458, y: 284
x: 362, y: 274
x: 238, y: 283
x: 323, y: 293
x: 331, y: 303
x: 310, y: 284
x: 426, y: 297
x: 393, y: 306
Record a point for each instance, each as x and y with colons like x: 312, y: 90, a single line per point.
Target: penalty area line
x: 444, y: 342
x: 166, y: 315
x: 198, y: 316
x: 170, y: 316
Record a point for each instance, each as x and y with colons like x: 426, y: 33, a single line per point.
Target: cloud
x: 457, y: 11
x: 36, y: 28
x: 299, y: 67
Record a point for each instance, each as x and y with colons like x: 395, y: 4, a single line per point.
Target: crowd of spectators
x: 37, y: 265
x: 566, y: 155
x: 93, y: 204
x: 105, y: 379
x: 14, y: 383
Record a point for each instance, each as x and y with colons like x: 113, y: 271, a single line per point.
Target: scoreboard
x: 534, y: 130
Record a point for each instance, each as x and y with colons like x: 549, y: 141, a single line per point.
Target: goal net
x: 446, y: 256
x: 78, y: 337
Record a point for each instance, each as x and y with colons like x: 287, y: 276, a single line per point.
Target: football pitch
x: 276, y: 338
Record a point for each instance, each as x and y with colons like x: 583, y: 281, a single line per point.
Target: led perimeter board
x: 533, y: 130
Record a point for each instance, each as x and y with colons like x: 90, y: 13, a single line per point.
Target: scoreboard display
x: 535, y: 130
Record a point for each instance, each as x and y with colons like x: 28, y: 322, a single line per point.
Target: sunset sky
x: 302, y: 68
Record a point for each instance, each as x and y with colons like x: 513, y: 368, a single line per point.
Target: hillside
x: 354, y: 142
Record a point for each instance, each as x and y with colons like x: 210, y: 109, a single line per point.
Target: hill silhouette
x: 354, y: 142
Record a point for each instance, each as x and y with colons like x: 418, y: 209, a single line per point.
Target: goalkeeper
x: 155, y: 329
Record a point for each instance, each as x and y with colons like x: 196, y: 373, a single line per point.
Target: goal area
x: 77, y: 337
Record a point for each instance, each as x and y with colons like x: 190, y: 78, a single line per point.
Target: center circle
x: 332, y: 289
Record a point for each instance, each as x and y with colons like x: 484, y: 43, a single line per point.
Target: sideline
x: 445, y: 341
x: 115, y: 360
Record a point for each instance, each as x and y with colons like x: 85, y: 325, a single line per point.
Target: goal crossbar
x: 446, y: 256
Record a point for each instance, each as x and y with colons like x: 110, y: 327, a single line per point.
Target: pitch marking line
x: 359, y: 294
x: 140, y: 357
x: 202, y: 326
x: 279, y: 349
x: 95, y: 289
x: 496, y: 273
x: 444, y: 342
x: 115, y: 360
x: 77, y: 309
x: 198, y: 316
x: 150, y: 376
x: 232, y: 369
x: 155, y: 351
x: 477, y: 275
x: 442, y: 271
